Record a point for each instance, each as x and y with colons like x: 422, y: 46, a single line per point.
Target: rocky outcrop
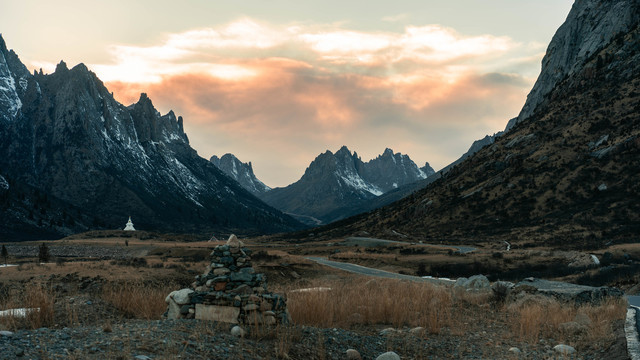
x: 240, y: 172
x: 335, y: 186
x: 565, y: 173
x: 561, y: 291
x: 590, y: 26
x: 88, y: 162
x: 229, y: 291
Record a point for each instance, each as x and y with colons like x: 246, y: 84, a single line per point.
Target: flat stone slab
x: 227, y: 314
x: 569, y: 292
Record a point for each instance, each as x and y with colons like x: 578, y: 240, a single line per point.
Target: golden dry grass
x: 368, y: 302
x: 39, y: 301
x: 536, y: 319
x: 138, y: 300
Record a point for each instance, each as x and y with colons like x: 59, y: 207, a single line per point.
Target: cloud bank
x: 278, y: 95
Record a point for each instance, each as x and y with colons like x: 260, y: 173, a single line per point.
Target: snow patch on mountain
x: 240, y: 172
x: 356, y: 182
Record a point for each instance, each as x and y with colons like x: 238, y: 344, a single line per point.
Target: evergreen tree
x: 43, y: 254
x: 5, y: 253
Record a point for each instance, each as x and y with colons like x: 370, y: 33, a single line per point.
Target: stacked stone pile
x: 229, y: 291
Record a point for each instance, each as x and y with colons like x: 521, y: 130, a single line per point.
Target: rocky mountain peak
x: 61, y: 67
x: 14, y: 82
x: 152, y: 126
x: 345, y: 153
x: 567, y: 174
x: 338, y: 185
x: 97, y: 162
x: 240, y: 172
x: 590, y: 25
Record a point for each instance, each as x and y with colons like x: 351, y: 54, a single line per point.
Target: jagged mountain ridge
x: 589, y: 27
x: 240, y: 172
x: 565, y: 174
x: 65, y: 136
x: 338, y: 185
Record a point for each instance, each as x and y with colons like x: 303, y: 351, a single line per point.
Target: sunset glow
x: 278, y: 90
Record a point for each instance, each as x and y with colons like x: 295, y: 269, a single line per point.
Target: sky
x: 277, y: 82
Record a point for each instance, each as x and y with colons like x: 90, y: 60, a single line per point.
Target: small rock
x: 583, y: 319
x: 564, y: 349
x: 353, y: 355
x: 19, y: 352
x: 515, y: 350
x: 417, y: 330
x: 234, y: 242
x: 388, y: 356
x: 238, y: 331
x: 6, y: 333
x: 142, y: 357
x: 250, y: 307
x: 388, y: 331
x: 221, y: 271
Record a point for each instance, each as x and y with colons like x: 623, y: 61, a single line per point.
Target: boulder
x: 564, y: 349
x: 173, y: 309
x: 474, y: 283
x: 388, y: 331
x: 181, y: 297
x: 233, y: 242
x: 353, y: 355
x: 388, y: 356
x: 566, y: 292
x: 238, y: 331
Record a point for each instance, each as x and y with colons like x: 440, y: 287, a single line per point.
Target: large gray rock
x: 388, y: 356
x: 181, y: 297
x: 474, y: 283
x: 562, y: 291
x: 564, y: 349
x: 353, y: 354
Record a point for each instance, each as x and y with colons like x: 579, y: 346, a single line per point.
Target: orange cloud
x: 278, y: 96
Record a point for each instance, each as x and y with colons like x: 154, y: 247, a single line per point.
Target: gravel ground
x: 191, y: 339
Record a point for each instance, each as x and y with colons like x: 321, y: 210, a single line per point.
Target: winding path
x: 378, y: 242
x: 362, y: 270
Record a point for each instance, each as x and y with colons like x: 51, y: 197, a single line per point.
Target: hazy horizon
x: 277, y: 84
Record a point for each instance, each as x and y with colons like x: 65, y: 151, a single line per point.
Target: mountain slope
x: 65, y: 136
x: 335, y: 186
x: 567, y: 174
x: 240, y: 172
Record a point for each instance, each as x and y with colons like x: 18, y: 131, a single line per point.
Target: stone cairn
x: 229, y: 291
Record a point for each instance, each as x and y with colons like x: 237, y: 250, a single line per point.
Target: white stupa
x: 129, y: 226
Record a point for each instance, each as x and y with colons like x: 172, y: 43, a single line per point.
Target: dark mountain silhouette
x: 566, y: 170
x: 76, y: 159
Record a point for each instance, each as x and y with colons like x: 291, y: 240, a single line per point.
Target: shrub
x: 138, y: 300
x: 371, y: 302
x: 43, y: 253
x: 39, y: 304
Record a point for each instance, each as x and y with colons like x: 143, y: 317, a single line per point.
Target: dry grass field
x: 81, y: 290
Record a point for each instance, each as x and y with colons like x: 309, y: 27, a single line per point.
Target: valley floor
x: 110, y: 308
